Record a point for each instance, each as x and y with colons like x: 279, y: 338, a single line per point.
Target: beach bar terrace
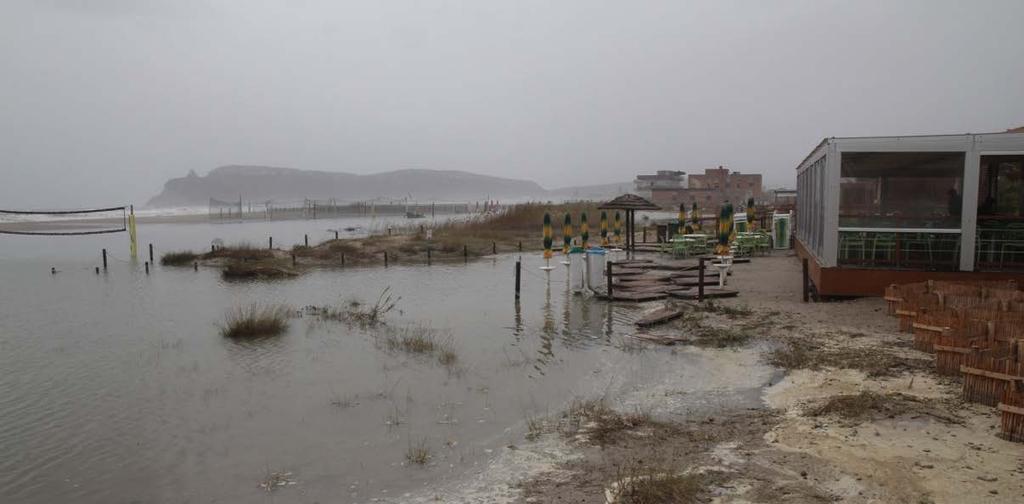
x: 873, y: 211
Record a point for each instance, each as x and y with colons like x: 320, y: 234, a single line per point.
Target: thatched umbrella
x: 630, y: 203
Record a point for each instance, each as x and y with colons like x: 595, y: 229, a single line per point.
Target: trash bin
x: 577, y: 269
x: 595, y: 267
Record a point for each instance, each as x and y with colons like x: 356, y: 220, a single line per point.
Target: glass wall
x: 1000, y: 233
x: 810, y: 214
x: 900, y: 209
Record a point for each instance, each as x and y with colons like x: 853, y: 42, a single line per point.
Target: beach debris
x: 276, y: 480
x: 660, y: 315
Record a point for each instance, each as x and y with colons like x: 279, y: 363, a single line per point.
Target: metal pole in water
x: 700, y: 279
x: 150, y: 252
x: 608, y: 274
x: 104, y: 259
x: 519, y: 266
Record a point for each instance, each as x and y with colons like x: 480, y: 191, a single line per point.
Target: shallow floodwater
x: 118, y: 388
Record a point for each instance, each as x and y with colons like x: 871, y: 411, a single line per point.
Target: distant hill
x: 259, y: 183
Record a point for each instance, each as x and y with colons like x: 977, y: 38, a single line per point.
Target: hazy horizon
x: 102, y: 101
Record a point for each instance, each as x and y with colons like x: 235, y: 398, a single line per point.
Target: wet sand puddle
x: 118, y: 387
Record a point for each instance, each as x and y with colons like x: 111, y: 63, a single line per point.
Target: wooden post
x: 518, y: 268
x: 428, y: 256
x: 385, y: 258
x: 213, y: 248
x: 342, y: 259
x: 608, y: 274
x: 520, y: 246
x: 806, y: 274
x: 150, y: 252
x: 104, y: 259
x: 700, y: 279
x: 465, y: 252
x: 97, y: 270
x: 271, y: 242
x: 306, y: 239
x: 147, y: 267
x: 335, y: 234
x: 195, y: 266
x: 494, y: 247
x: 293, y: 259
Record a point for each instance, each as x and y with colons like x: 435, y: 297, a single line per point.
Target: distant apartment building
x: 710, y: 189
x: 645, y: 185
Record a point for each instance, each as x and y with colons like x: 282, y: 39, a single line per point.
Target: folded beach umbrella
x: 584, y: 230
x: 604, y: 228
x: 724, y: 229
x: 617, y: 228
x: 547, y: 236
x: 695, y: 216
x: 567, y: 234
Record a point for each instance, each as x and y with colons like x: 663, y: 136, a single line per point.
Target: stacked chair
x: 976, y: 331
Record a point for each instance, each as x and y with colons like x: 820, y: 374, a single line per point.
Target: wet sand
x: 940, y: 450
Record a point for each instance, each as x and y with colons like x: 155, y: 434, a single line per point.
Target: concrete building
x: 872, y: 211
x: 711, y: 189
x: 644, y: 185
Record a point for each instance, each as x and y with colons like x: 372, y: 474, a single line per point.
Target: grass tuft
x: 178, y: 258
x: 599, y: 423
x: 418, y: 453
x: 640, y: 484
x: 255, y: 320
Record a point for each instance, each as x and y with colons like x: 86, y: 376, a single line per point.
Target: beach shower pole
x: 104, y: 259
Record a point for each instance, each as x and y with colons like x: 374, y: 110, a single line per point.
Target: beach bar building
x: 872, y: 211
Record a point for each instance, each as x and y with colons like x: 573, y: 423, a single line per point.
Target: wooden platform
x: 709, y: 293
x: 637, y: 297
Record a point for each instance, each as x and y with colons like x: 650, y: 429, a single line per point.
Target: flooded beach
x: 119, y: 386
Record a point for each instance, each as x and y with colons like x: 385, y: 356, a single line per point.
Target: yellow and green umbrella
x: 724, y: 229
x: 617, y: 227
x: 567, y: 234
x: 547, y: 236
x: 584, y: 230
x: 695, y: 216
x: 604, y: 228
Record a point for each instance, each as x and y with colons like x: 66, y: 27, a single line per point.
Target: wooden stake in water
x: 306, y: 238
x: 147, y: 267
x: 608, y: 275
x: 151, y: 252
x: 518, y: 268
x: 335, y: 234
x: 494, y: 247
x: 97, y: 270
x: 271, y: 242
x: 104, y: 259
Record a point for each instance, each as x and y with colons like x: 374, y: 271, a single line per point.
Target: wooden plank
x: 709, y: 292
x: 990, y: 374
x: 636, y: 297
x: 944, y: 348
x: 660, y: 316
x: 927, y: 327
x: 1017, y: 410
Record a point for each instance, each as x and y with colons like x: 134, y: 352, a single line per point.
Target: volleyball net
x: 91, y: 221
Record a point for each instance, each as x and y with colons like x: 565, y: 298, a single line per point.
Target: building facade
x: 671, y: 180
x: 880, y: 210
x: 711, y: 189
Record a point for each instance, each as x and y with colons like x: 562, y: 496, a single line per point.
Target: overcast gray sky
x: 102, y: 100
